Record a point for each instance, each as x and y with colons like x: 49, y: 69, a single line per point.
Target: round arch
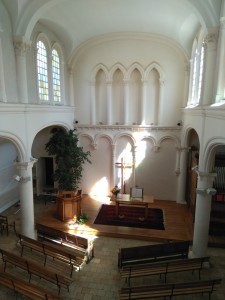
x: 17, y: 142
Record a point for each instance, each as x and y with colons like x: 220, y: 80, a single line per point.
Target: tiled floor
x: 100, y: 279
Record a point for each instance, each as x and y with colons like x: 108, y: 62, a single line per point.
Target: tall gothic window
x: 42, y: 71
x: 56, y: 76
x: 48, y: 73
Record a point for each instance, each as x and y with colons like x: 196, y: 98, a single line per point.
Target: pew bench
x: 57, y: 252
x: 25, y: 288
x: 170, y: 290
x: 164, y: 268
x: 5, y: 225
x: 35, y: 269
x: 150, y: 253
x: 81, y: 245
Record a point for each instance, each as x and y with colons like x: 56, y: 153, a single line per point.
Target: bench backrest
x: 55, y: 233
x: 153, y: 251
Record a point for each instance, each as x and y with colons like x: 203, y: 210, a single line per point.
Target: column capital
x: 26, y: 164
x: 210, y: 41
x: 21, y: 45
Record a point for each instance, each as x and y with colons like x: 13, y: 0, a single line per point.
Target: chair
x: 4, y: 224
x: 136, y: 193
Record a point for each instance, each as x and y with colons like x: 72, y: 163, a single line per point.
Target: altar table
x: 135, y: 202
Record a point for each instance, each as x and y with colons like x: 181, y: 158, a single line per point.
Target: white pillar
x: 126, y: 101
x: 202, y: 214
x: 22, y: 45
x: 113, y: 166
x: 71, y: 95
x: 26, y: 198
x: 158, y: 105
x: 210, y: 45
x: 182, y: 175
x: 109, y: 102
x: 142, y: 120
x: 93, y: 103
x: 220, y: 72
x: 134, y: 165
x: 2, y: 80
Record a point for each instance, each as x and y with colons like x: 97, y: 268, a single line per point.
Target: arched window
x: 56, y: 84
x: 42, y: 71
x: 49, y: 70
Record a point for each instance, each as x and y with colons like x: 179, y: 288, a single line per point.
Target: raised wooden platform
x: 178, y: 222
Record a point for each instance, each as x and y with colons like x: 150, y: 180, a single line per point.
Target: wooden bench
x: 58, y: 252
x: 25, y: 288
x: 81, y: 245
x: 35, y: 269
x: 5, y: 225
x: 150, y: 253
x: 160, y: 268
x: 170, y: 290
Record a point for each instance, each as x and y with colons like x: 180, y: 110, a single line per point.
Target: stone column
x: 134, y: 165
x: 220, y: 72
x: 210, y: 45
x: 158, y: 104
x: 109, y: 102
x: 113, y: 165
x: 26, y: 198
x: 21, y: 45
x: 2, y: 80
x: 71, y: 90
x: 182, y: 168
x: 142, y: 120
x: 202, y: 213
x: 126, y: 101
x: 93, y: 103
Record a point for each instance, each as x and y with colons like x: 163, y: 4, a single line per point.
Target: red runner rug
x: 130, y: 216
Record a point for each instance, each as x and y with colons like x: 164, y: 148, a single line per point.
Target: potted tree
x: 69, y: 160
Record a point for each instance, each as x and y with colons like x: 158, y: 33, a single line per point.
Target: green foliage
x: 69, y: 158
x: 82, y: 218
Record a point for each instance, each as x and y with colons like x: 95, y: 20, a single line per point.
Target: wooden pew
x: 5, y: 225
x: 25, y: 288
x: 57, y: 252
x: 170, y: 290
x: 35, y: 269
x: 81, y: 245
x: 160, y: 268
x: 151, y: 253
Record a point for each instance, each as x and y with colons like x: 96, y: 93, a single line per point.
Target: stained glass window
x: 42, y: 70
x: 56, y: 76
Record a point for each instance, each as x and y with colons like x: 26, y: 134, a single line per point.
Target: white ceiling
x: 76, y: 21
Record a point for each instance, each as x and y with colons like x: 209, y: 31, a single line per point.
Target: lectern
x: 68, y: 205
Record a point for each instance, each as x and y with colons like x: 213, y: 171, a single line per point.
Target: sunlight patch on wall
x: 100, y: 191
x: 140, y: 153
x: 124, y: 165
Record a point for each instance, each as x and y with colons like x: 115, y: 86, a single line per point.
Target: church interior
x: 142, y: 84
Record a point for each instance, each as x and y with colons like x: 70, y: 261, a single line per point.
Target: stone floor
x: 100, y: 279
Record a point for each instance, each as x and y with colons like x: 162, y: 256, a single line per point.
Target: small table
x: 135, y: 202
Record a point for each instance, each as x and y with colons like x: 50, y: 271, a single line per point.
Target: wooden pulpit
x: 68, y: 205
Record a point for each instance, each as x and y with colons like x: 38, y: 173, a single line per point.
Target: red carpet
x: 131, y: 217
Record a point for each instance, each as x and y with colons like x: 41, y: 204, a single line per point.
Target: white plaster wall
x: 127, y: 52
x: 9, y: 193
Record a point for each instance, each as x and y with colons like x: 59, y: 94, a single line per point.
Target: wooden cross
x: 122, y: 165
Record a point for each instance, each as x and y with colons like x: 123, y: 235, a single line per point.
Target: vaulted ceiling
x: 76, y: 21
